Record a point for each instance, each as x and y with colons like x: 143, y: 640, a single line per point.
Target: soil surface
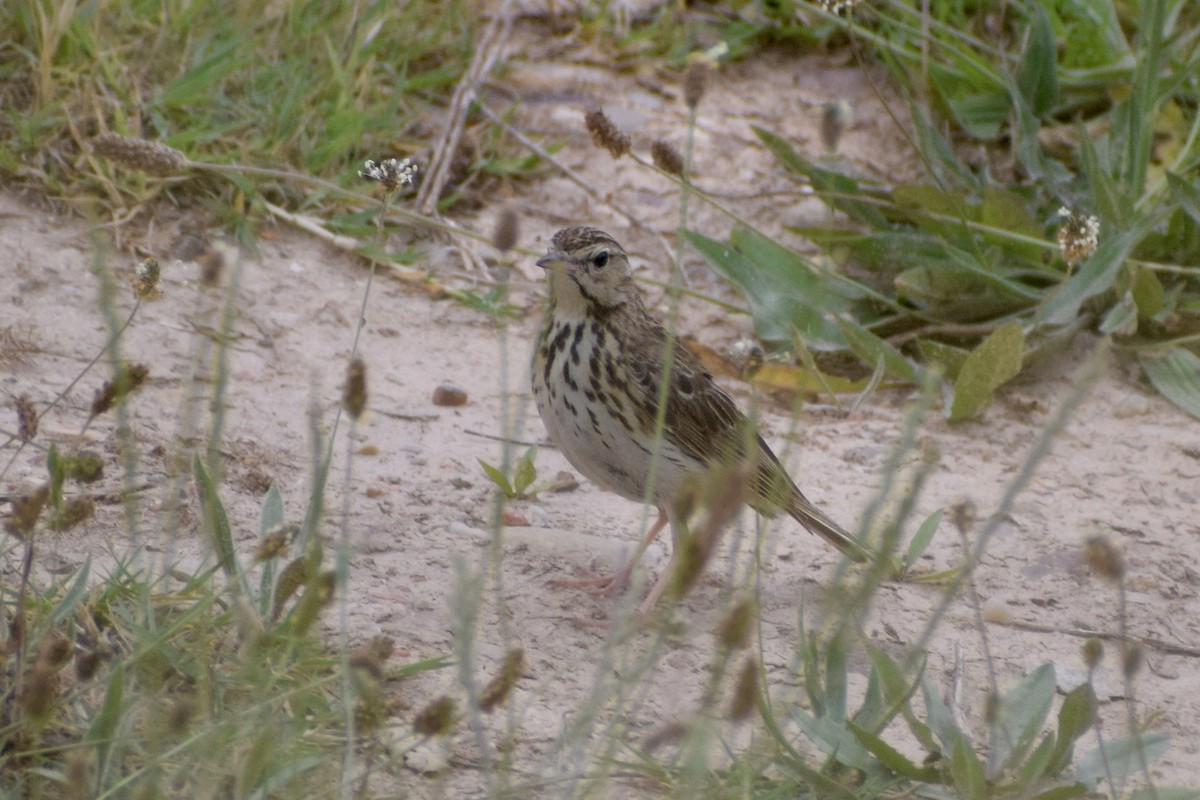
x: 1127, y: 465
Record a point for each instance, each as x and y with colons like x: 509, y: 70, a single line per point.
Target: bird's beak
x: 553, y: 259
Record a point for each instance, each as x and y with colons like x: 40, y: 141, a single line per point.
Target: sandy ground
x: 1126, y: 465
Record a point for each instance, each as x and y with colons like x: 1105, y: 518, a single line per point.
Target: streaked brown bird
x: 598, y: 372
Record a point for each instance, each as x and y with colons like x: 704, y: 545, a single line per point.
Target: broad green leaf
x: 1120, y: 756
x: 947, y: 358
x: 1148, y: 293
x: 922, y: 538
x: 1176, y: 375
x: 996, y: 360
x: 967, y: 771
x: 870, y: 348
x: 892, y: 758
x: 1122, y: 318
x: 940, y: 720
x: 835, y: 680
x: 1019, y: 718
x: 1075, y: 718
x: 1186, y: 195
x: 497, y: 477
x: 835, y: 184
x: 1037, y: 78
x: 776, y: 298
x: 525, y: 472
x: 1164, y: 793
x: 834, y: 738
x: 1063, y: 792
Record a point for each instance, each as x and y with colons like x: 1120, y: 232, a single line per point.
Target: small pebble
x: 996, y: 610
x: 448, y: 394
x: 565, y: 482
x: 514, y: 518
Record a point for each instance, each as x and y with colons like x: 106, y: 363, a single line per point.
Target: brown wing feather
x: 704, y: 421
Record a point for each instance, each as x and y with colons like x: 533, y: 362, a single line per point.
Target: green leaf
x: 525, y: 473
x: 1148, y: 293
x: 996, y: 360
x: 871, y: 349
x: 1121, y: 756
x: 1122, y: 318
x: 1037, y: 78
x: 947, y: 358
x: 834, y: 738
x: 1019, y: 719
x: 824, y: 181
x: 269, y: 518
x: 78, y: 591
x: 892, y: 758
x: 775, y: 283
x: 1176, y: 375
x: 215, y: 520
x: 922, y: 538
x: 102, y: 731
x: 1075, y: 718
x: 497, y: 477
x: 1186, y: 195
x: 967, y: 771
x: 199, y: 83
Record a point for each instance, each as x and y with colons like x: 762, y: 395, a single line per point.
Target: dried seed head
x: 75, y: 511
x: 508, y: 230
x: 1093, y: 652
x: 25, y: 512
x: 1103, y: 558
x: 1131, y: 659
x: 745, y: 692
x: 666, y: 157
x: 734, y: 632
x: 715, y: 496
x: 128, y: 380
x: 1078, y: 235
x: 695, y: 82
x: 437, y: 718
x: 55, y: 651
x: 667, y: 734
x: 180, y: 716
x: 87, y: 662
x: 354, y: 394
x: 145, y: 279
x: 153, y: 158
x: 373, y: 655
x: 499, y: 687
x: 41, y: 692
x: 962, y: 514
x: 27, y: 418
x: 605, y: 134
x: 212, y: 264
x: 275, y: 542
x: 85, y: 466
x: 835, y: 118
x: 390, y: 173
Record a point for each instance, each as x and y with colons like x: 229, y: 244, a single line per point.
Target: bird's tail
x: 816, y: 521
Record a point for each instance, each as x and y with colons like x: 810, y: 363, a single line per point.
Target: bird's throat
x: 569, y: 302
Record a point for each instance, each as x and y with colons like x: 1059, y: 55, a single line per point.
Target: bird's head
x: 589, y: 272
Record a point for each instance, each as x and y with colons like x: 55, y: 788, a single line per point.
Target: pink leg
x: 619, y: 581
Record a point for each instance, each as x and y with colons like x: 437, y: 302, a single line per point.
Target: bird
x: 597, y: 376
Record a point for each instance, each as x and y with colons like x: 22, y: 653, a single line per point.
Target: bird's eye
x: 600, y: 260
